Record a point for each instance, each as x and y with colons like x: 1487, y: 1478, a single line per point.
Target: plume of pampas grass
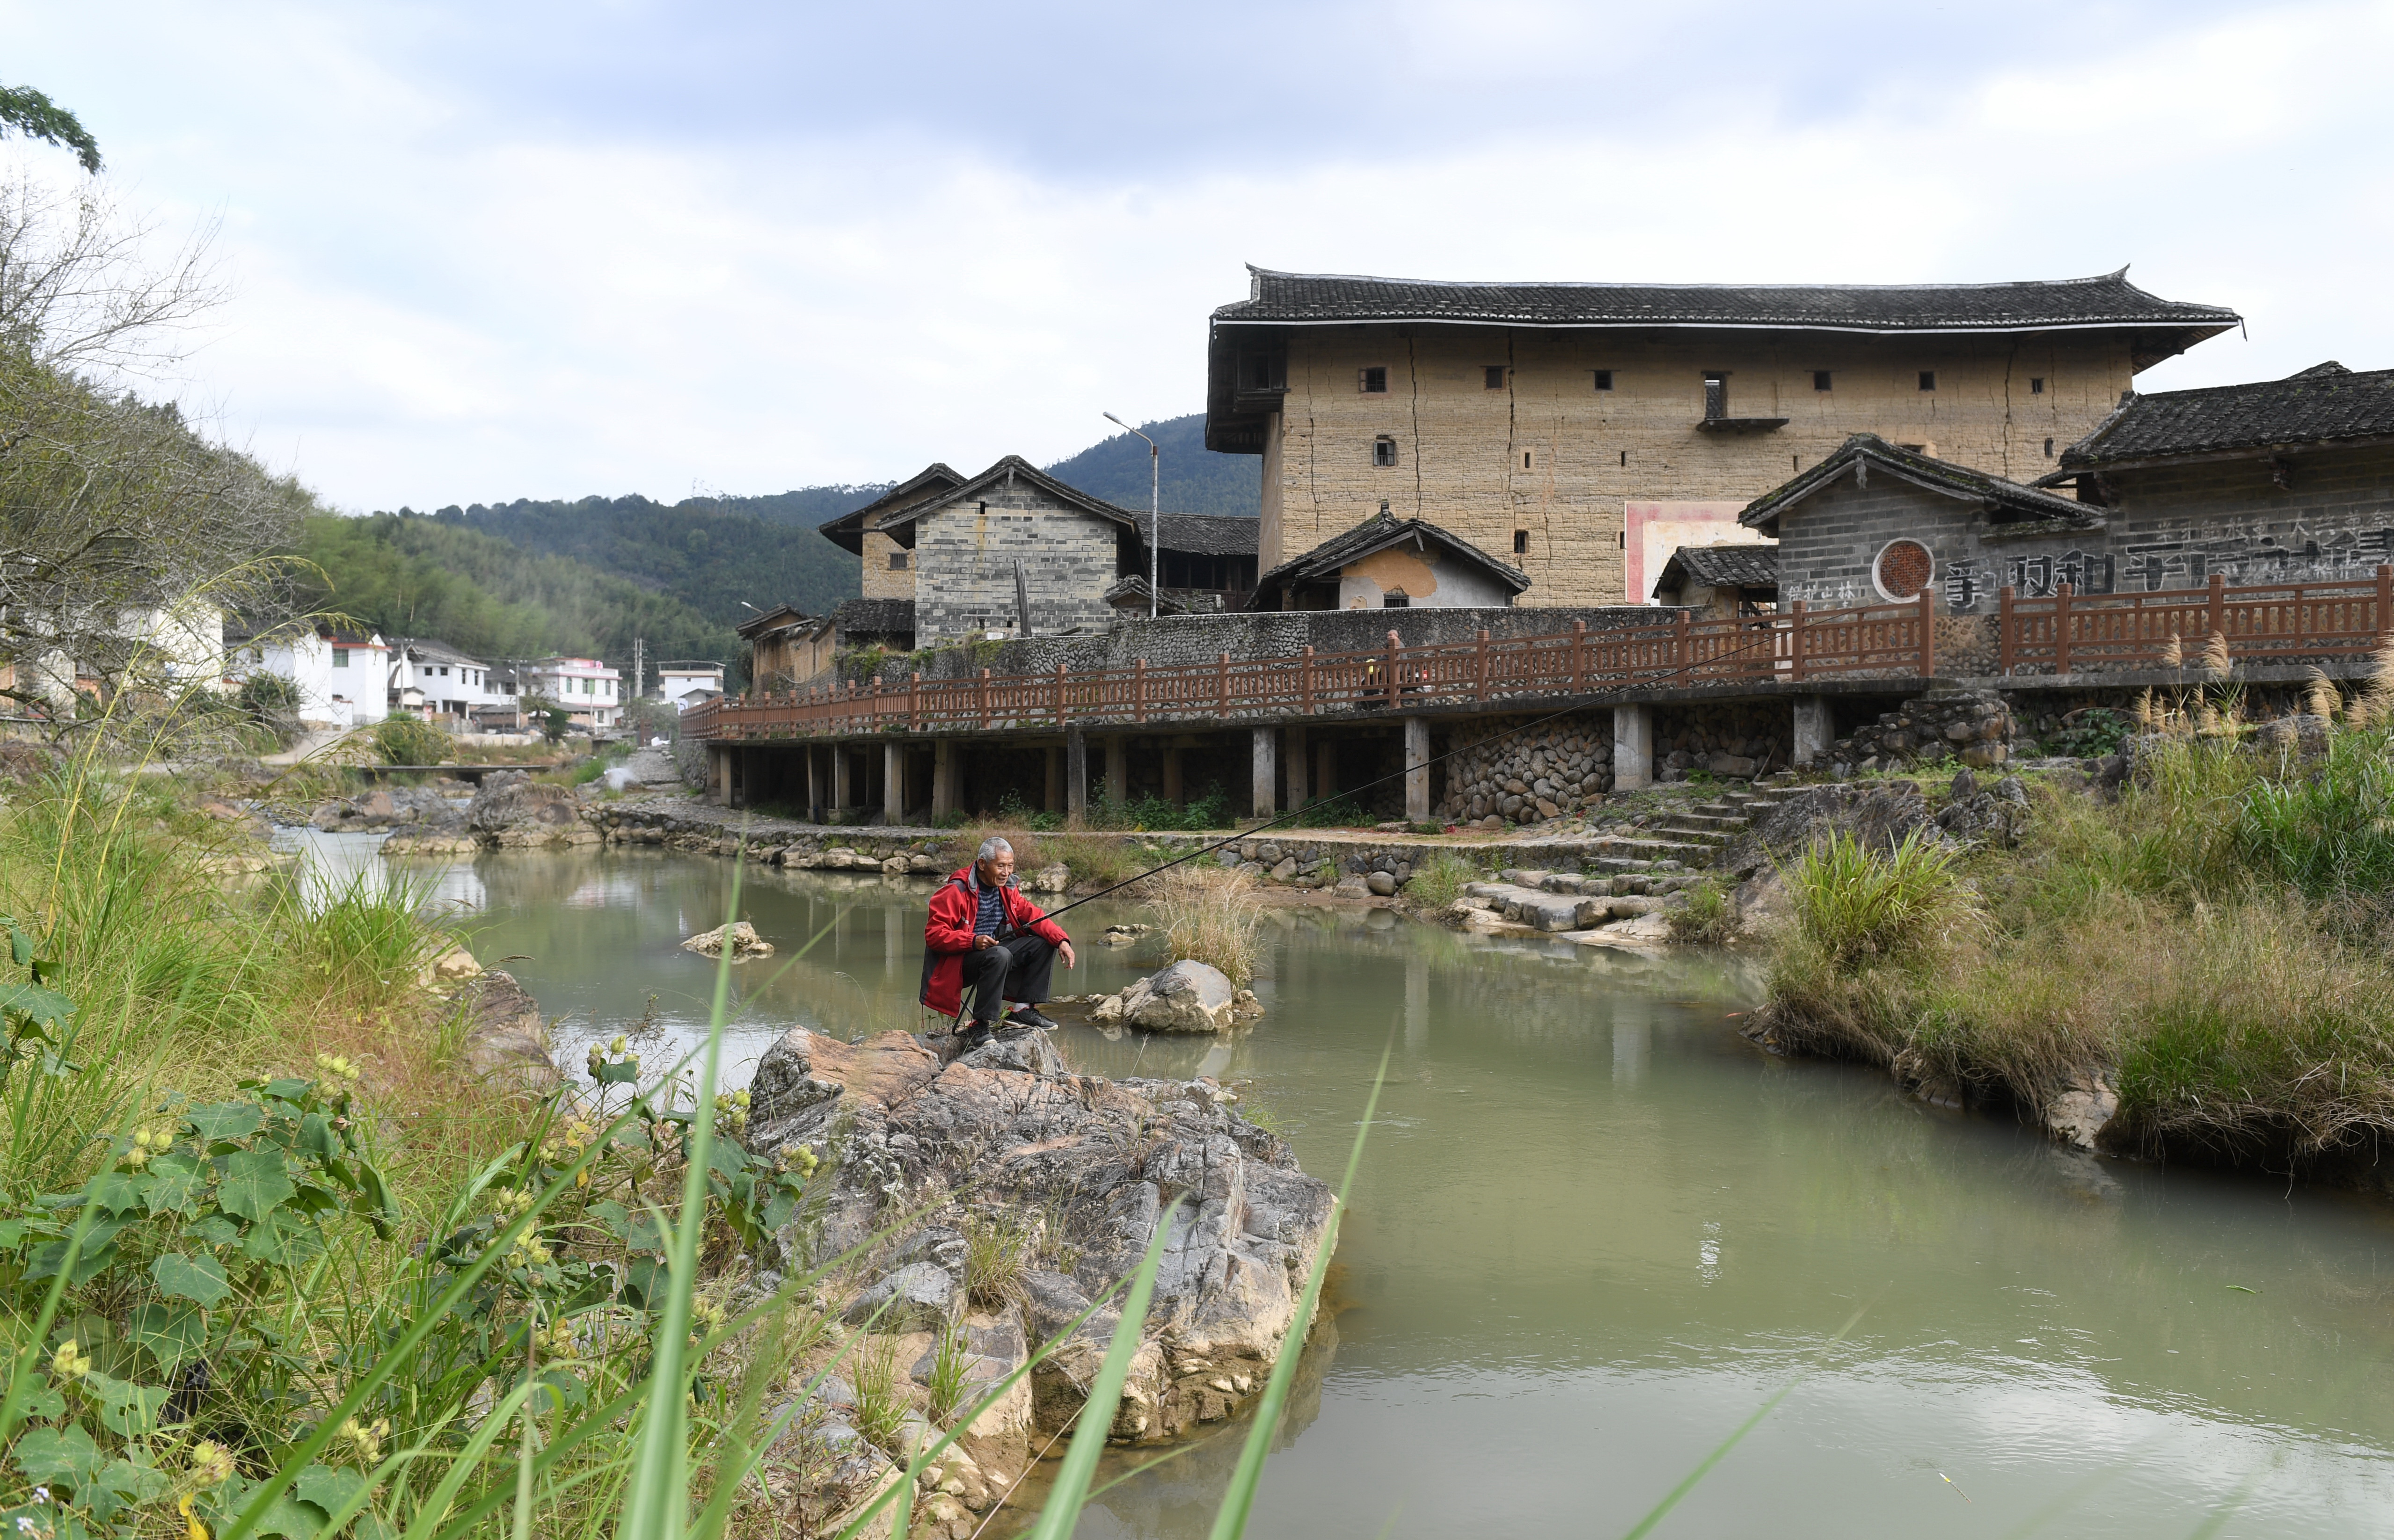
x: 2144, y: 715
x: 2375, y: 704
x: 2173, y: 652
x: 2215, y: 661
x: 2321, y: 697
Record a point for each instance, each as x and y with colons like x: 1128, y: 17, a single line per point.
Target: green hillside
x: 415, y: 575
x: 1195, y: 479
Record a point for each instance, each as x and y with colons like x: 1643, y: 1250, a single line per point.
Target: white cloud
x: 443, y: 300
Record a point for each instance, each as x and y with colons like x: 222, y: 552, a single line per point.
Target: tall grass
x: 1853, y: 904
x: 1209, y: 914
x: 1438, y: 880
x: 2211, y: 944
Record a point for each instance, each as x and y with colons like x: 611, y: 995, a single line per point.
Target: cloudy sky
x: 480, y: 252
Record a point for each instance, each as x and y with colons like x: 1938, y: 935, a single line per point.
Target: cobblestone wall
x: 1549, y: 770
x: 1736, y: 741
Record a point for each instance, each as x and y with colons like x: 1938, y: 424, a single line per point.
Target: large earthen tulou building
x: 1581, y: 432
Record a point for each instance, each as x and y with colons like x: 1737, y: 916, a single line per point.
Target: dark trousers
x: 1014, y: 969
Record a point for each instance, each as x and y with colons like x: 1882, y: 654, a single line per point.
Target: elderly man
x: 982, y: 931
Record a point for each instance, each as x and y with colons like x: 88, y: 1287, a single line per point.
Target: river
x: 1596, y: 1230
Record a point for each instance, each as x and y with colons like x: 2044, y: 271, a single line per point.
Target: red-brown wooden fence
x: 2066, y: 633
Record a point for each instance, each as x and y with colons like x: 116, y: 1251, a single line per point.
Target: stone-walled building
x: 2285, y: 480
x: 1876, y: 524
x: 1545, y: 419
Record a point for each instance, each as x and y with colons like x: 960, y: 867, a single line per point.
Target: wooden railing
x: 1885, y: 640
x: 2067, y: 633
x: 2082, y: 634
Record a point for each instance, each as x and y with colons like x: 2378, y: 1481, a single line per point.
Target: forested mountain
x: 414, y: 575
x: 515, y: 579
x: 710, y: 553
x: 1196, y: 480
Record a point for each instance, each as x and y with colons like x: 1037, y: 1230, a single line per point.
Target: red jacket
x: 948, y: 935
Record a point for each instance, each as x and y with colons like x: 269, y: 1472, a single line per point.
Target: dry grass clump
x: 997, y: 1252
x: 1209, y: 914
x: 1028, y: 856
x: 1438, y: 880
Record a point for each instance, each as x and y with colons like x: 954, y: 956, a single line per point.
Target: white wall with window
x: 342, y: 676
x: 591, y: 692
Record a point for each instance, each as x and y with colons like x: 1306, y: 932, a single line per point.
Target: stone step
x: 1553, y: 911
x: 1701, y: 819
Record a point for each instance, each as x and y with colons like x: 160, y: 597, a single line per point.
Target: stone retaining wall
x: 1975, y: 726
x: 1539, y: 774
x: 1736, y: 741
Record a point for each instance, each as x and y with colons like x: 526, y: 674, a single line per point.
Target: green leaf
x: 287, y: 1516
x: 327, y: 1487
x: 215, y: 1230
x: 39, y: 1399
x: 67, y: 1455
x: 255, y: 1182
x: 40, y: 1006
x: 374, y: 1200
x: 120, y: 1192
x: 177, y: 1184
x: 99, y: 1251
x: 171, y: 1333
x: 129, y: 1485
x: 184, y: 1277
x: 617, y: 1074
x: 221, y: 1120
x: 127, y: 1408
x: 21, y: 946
x: 285, y: 1239
x: 288, y: 1090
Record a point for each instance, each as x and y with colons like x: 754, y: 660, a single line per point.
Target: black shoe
x: 1024, y: 1015
x: 973, y: 1036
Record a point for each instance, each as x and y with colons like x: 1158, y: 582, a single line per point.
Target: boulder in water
x: 1187, y: 996
x: 740, y: 937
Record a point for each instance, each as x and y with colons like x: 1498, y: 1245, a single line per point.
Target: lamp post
x: 1154, y: 508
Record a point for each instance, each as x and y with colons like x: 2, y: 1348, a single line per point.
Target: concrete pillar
x: 1054, y: 799
x: 1265, y: 787
x: 893, y: 783
x: 1117, y: 769
x: 1417, y: 769
x: 1174, y: 792
x: 1076, y: 774
x: 1325, y: 773
x: 843, y: 789
x: 814, y: 787
x: 1296, y: 767
x: 718, y: 774
x: 943, y: 778
x: 1815, y: 728
x: 1633, y: 748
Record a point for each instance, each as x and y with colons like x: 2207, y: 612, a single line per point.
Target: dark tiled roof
x: 1130, y: 594
x: 875, y: 617
x: 1866, y: 454
x: 1721, y: 567
x: 1209, y: 534
x: 1011, y: 467
x: 2105, y: 301
x: 1325, y: 561
x: 340, y: 637
x: 422, y: 650
x: 2322, y: 404
x: 771, y: 620
x: 847, y: 531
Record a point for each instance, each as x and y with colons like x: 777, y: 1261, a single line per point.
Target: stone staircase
x: 1697, y: 836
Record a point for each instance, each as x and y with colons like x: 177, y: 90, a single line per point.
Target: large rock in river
x: 1187, y: 996
x: 1008, y: 1126
x: 513, y: 809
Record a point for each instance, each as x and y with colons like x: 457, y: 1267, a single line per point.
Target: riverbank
x: 2189, y: 966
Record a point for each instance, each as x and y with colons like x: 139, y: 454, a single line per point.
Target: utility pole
x: 1154, y: 510
x: 639, y: 668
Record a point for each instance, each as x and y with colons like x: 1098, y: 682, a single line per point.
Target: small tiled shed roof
x: 2108, y: 300
x: 1326, y: 560
x: 425, y: 651
x: 875, y: 617
x: 1720, y: 567
x: 1866, y: 454
x: 898, y: 522
x: 2326, y: 403
x: 1209, y: 534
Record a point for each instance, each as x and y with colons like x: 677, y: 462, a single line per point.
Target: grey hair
x: 991, y: 847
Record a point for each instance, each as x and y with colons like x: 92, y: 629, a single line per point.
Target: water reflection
x: 1595, y: 1230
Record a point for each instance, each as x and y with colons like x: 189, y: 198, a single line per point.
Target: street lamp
x: 1154, y: 507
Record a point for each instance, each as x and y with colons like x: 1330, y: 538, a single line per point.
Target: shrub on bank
x: 2211, y: 944
x: 1209, y: 914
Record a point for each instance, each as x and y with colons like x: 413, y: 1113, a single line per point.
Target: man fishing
x: 981, y: 932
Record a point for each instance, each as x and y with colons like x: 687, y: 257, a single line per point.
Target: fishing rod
x: 1477, y: 743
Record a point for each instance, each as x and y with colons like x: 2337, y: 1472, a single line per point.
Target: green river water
x: 1595, y: 1230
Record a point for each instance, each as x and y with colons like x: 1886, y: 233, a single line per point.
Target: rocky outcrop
x: 512, y: 811
x: 1879, y: 814
x: 1008, y: 1128
x: 740, y: 937
x: 506, y: 1037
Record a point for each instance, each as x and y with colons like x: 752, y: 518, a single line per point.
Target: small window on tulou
x: 898, y: 561
x: 1384, y: 452
x: 1395, y: 599
x: 1375, y: 380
